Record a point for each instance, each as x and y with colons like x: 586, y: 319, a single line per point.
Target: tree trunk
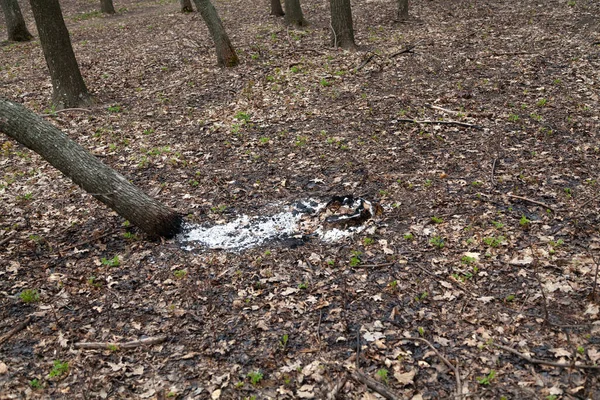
x: 293, y: 13
x: 186, y: 6
x: 96, y: 178
x: 107, y: 7
x: 402, y: 10
x: 69, y: 89
x: 341, y: 23
x: 276, y: 8
x: 15, y: 24
x: 226, y: 56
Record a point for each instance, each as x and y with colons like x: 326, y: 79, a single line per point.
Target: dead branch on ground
x: 414, y: 121
x: 15, y: 330
x: 407, y: 49
x: 8, y: 237
x: 539, y: 203
x: 127, y: 345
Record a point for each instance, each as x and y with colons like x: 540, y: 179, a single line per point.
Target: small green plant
x: 513, y: 118
x: 437, y: 241
x: 436, y: 220
x: 468, y: 260
x: 92, y: 282
x: 59, y: 369
x: 242, y: 116
x: 324, y: 82
x: 493, y: 241
x: 148, y: 131
x: 568, y: 192
x: 393, y: 285
x: 219, y: 210
x: 114, y: 108
x: 180, y: 273
x: 497, y: 224
x: 476, y: 183
x: 112, y: 347
x: 111, y: 262
x: 301, y: 141
x: 542, y: 102
x: 421, y: 331
x: 571, y: 3
x: 368, y: 241
x: 331, y: 263
x: 510, y: 298
x: 355, y: 259
x: 552, y: 396
x: 524, y: 221
x: 295, y: 69
x: 383, y: 375
x: 129, y: 235
x: 284, y: 340
x: 486, y: 380
x: 428, y: 182
x: 29, y: 296
x: 239, y: 384
x: 421, y: 297
x: 581, y: 350
x: 408, y: 236
x: 302, y: 286
x: 35, y: 384
x: 263, y: 140
x: 255, y: 377
x: 171, y: 394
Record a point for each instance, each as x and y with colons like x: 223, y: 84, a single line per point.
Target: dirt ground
x: 478, y: 280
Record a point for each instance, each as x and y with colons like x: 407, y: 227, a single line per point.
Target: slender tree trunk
x: 293, y: 13
x: 96, y: 178
x: 276, y: 8
x: 402, y: 10
x: 226, y: 56
x: 69, y: 89
x: 341, y: 24
x: 15, y: 24
x: 107, y: 7
x: 186, y: 6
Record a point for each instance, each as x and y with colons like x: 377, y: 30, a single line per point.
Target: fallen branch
x: 414, y: 121
x: 127, y: 345
x: 539, y: 203
x: 493, y: 171
x: 15, y: 330
x: 364, y: 63
x: 53, y: 113
x: 445, y: 110
x: 335, y: 391
x: 459, y: 390
x: 8, y: 237
x: 375, y: 265
x: 373, y: 385
x: 407, y: 49
x: 543, y: 362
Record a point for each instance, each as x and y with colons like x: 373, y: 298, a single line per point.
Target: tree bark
x: 226, y: 56
x: 293, y: 13
x: 96, y: 178
x: 107, y: 7
x: 69, y: 89
x: 402, y: 10
x: 276, y: 8
x: 341, y: 24
x: 15, y: 24
x: 186, y: 6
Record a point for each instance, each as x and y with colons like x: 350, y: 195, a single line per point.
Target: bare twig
x: 539, y: 203
x: 52, y: 114
x: 542, y: 362
x: 319, y: 327
x: 445, y: 110
x: 364, y: 63
x: 373, y: 385
x: 459, y: 389
x: 127, y: 345
x: 334, y: 35
x: 8, y: 237
x: 335, y: 391
x: 414, y: 121
x: 88, y: 241
x: 15, y: 330
x: 374, y: 265
x: 537, y: 278
x: 493, y: 171
x: 407, y: 49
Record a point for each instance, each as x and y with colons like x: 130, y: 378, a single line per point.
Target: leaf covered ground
x: 455, y: 258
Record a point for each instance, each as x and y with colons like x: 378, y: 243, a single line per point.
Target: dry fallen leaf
x: 405, y: 378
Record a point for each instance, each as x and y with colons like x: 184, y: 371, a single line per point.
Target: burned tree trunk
x: 402, y: 10
x: 276, y: 8
x: 96, y: 178
x: 15, y: 24
x: 293, y: 13
x: 107, y: 7
x: 69, y: 89
x: 341, y: 24
x: 186, y: 6
x: 226, y: 56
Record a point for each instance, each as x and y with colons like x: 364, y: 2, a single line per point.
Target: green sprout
x: 29, y: 296
x: 486, y: 380
x: 111, y: 262
x: 59, y: 369
x: 255, y: 377
x: 383, y: 375
x: 437, y: 241
x: 436, y: 220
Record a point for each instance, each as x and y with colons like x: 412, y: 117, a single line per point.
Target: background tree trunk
x: 276, y: 8
x: 341, y: 22
x: 186, y: 6
x: 96, y: 178
x: 69, y: 89
x: 293, y: 13
x: 15, y: 24
x: 402, y: 10
x: 107, y: 7
x: 226, y: 56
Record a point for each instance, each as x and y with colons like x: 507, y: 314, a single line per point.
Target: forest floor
x: 487, y: 248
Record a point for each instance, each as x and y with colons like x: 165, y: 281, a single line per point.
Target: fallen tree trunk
x: 96, y: 178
